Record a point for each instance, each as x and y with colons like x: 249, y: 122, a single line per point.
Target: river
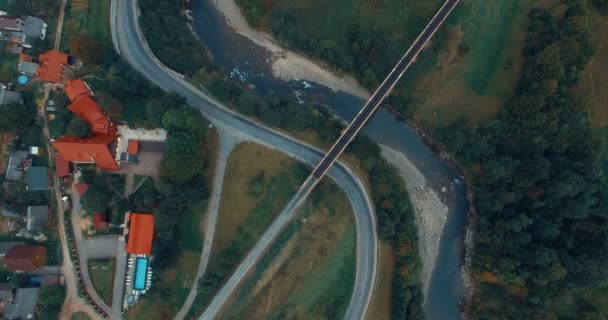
x: 245, y: 60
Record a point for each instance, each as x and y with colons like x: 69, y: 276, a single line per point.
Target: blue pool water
x: 23, y: 79
x: 141, y: 270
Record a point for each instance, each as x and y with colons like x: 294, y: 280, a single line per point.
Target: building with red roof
x: 51, y: 66
x: 141, y: 233
x: 81, y: 188
x: 133, y: 147
x: 100, y: 221
x: 75, y: 89
x: 62, y: 167
x: 24, y: 258
x: 87, y: 109
x: 96, y: 149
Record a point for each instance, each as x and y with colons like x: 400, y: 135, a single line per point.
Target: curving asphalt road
x: 133, y: 48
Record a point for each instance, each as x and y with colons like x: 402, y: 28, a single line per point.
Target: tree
x: 182, y: 160
x: 256, y: 184
x: 14, y: 116
x: 96, y: 199
x: 50, y: 302
x: 78, y: 128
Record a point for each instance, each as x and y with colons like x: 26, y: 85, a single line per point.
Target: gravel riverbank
x: 431, y: 212
x: 286, y: 64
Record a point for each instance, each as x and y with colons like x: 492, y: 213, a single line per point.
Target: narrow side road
x: 226, y: 144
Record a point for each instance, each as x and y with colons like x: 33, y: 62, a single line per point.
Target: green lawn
x: 98, y: 21
x: 190, y: 234
x: 80, y: 316
x: 102, y: 276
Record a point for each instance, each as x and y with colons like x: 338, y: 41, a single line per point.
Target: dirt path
x: 60, y: 24
x: 287, y: 64
x: 431, y: 212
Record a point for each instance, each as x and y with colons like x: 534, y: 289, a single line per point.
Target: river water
x: 245, y: 60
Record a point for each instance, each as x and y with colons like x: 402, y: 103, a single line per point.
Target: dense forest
x: 541, y: 200
x: 395, y: 215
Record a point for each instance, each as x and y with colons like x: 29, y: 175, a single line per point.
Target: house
x: 37, y: 217
x: 25, y: 258
x: 96, y: 149
x: 7, y: 96
x: 87, y: 109
x: 51, y: 67
x: 27, y: 67
x: 34, y: 29
x: 101, y: 147
x: 62, y: 166
x: 10, y: 25
x: 141, y: 233
x: 6, y: 246
x: 24, y: 304
x: 16, y: 165
x: 37, y: 179
x: 6, y: 292
x: 100, y: 221
x: 76, y: 89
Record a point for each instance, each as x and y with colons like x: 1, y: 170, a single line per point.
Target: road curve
x: 134, y: 49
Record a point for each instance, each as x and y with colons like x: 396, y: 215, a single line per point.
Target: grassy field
x: 238, y: 204
x: 98, y: 21
x: 243, y: 216
x: 380, y: 307
x: 594, y: 86
x: 80, y: 316
x: 102, y: 276
x: 312, y: 274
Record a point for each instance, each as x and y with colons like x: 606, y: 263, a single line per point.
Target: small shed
x: 133, y: 147
x: 100, y: 221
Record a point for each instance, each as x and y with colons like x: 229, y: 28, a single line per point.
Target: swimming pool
x: 141, y: 270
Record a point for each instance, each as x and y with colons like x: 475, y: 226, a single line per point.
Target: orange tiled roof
x: 133, y: 147
x: 97, y: 149
x: 76, y: 88
x: 51, y: 66
x: 141, y: 233
x: 62, y: 167
x: 91, y: 112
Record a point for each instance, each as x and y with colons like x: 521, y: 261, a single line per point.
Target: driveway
x: 85, y: 250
